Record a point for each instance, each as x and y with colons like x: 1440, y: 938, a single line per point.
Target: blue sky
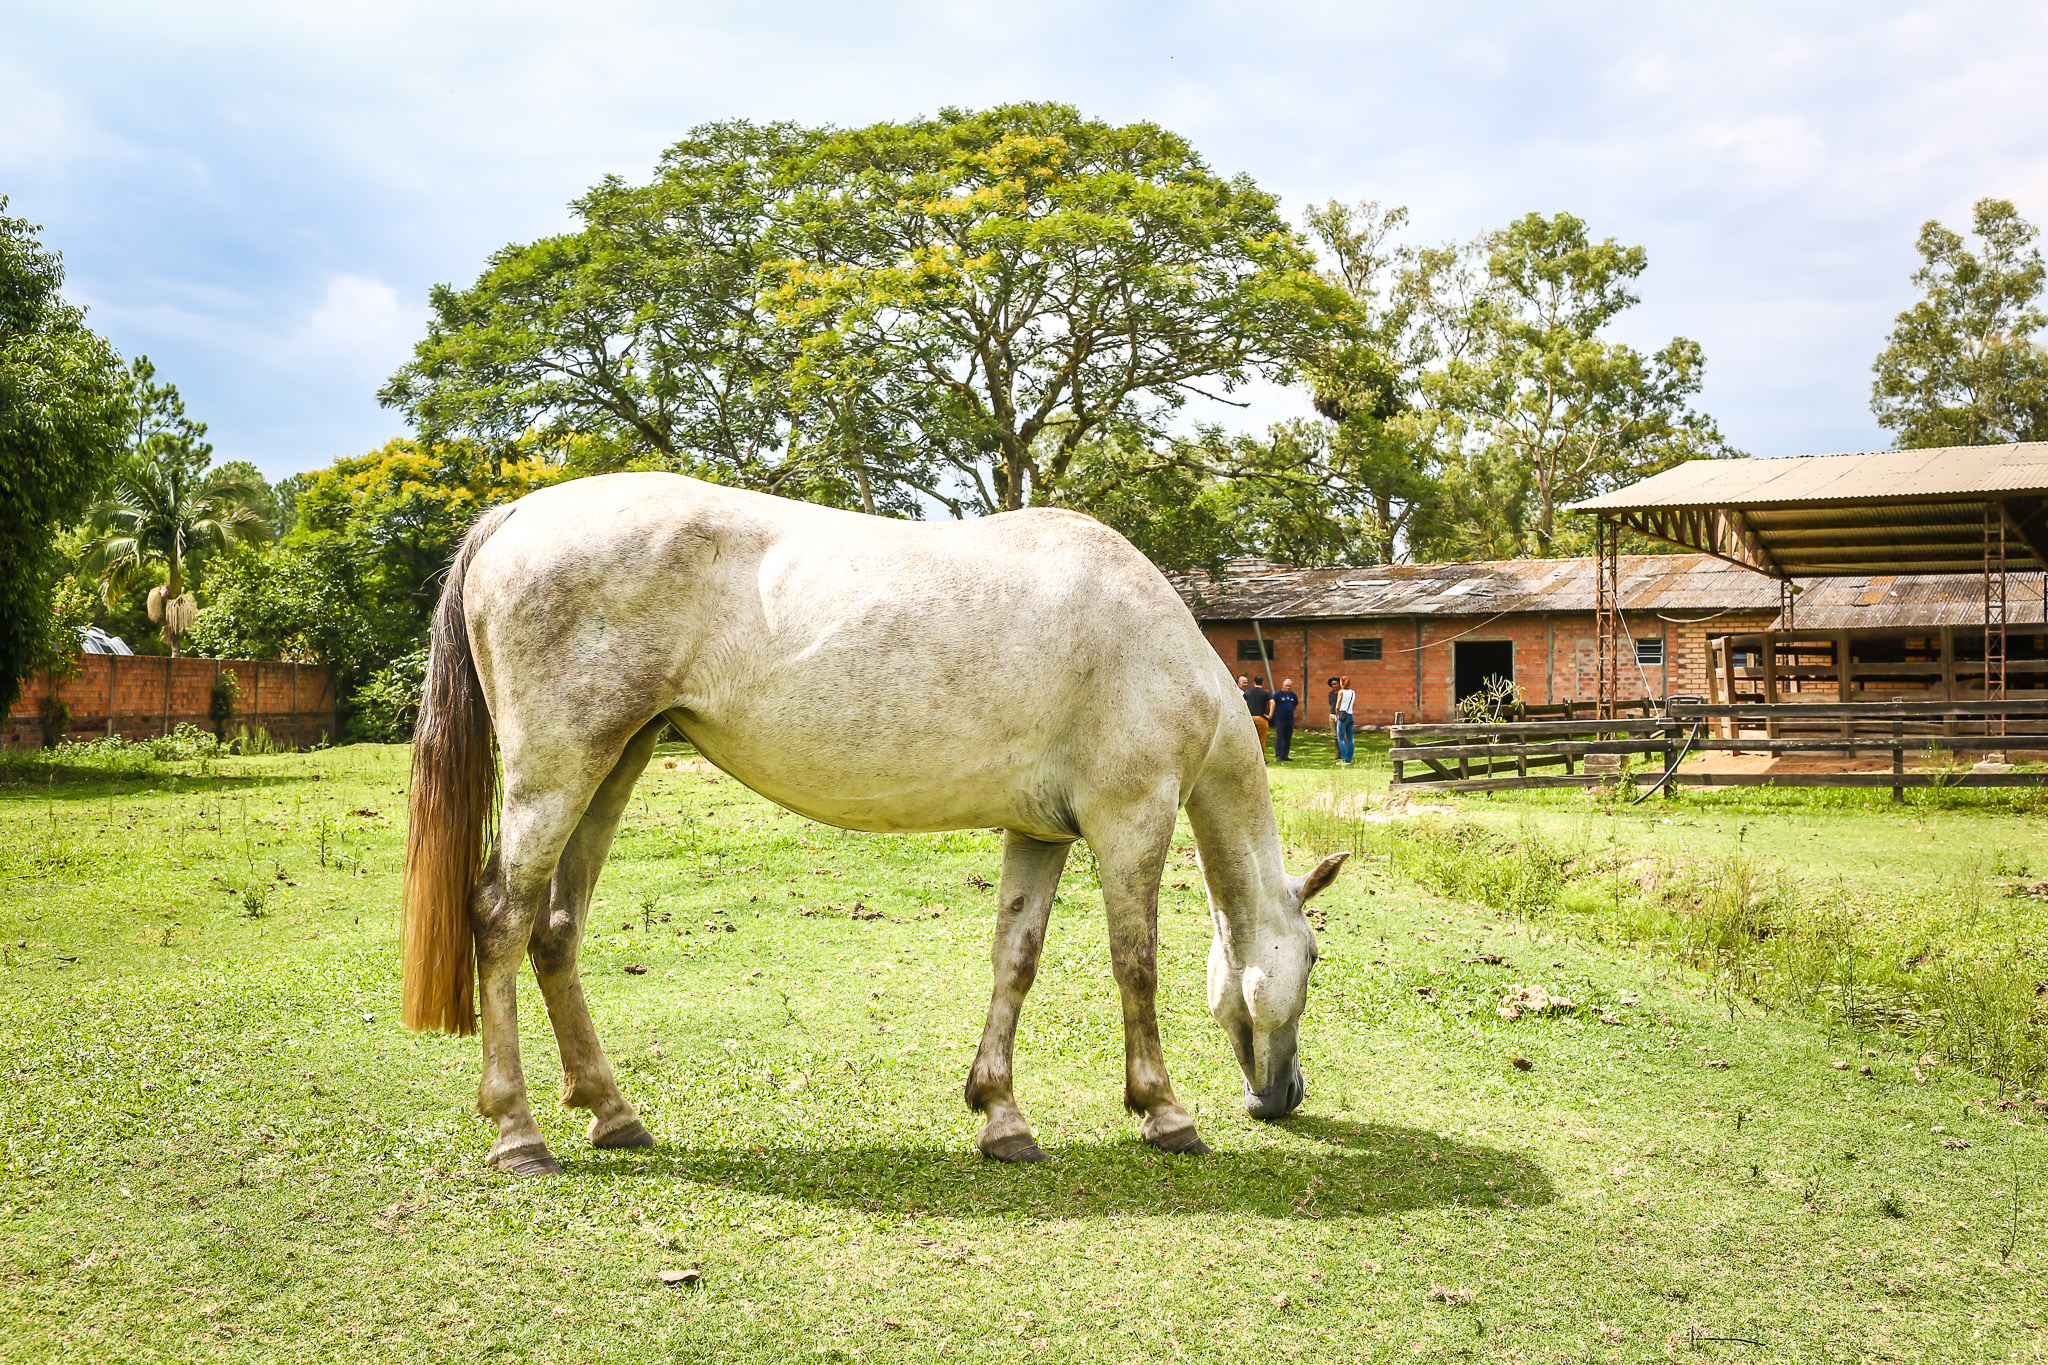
x: 260, y: 196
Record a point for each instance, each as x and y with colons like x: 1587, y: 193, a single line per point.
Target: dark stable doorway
x: 1479, y: 660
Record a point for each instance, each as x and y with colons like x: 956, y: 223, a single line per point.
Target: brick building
x: 1414, y: 638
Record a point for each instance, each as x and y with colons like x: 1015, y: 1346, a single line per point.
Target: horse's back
x: 871, y: 672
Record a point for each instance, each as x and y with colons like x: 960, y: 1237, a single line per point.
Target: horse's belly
x: 881, y: 793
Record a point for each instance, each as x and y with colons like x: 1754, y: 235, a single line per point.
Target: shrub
x: 55, y: 718
x: 220, y: 707
x: 389, y: 703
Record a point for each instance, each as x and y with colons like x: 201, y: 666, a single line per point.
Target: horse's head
x: 1258, y: 986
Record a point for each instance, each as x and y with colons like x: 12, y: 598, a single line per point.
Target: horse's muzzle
x: 1281, y: 1100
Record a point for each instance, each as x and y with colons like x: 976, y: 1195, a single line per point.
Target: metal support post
x: 1994, y: 613
x: 1607, y: 627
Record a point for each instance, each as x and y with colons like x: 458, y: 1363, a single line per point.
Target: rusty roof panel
x: 1912, y: 600
x: 1687, y: 585
x: 1487, y: 588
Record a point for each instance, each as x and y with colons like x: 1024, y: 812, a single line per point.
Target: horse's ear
x: 1319, y: 880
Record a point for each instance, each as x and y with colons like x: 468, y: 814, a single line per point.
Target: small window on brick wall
x: 1362, y: 649
x: 1650, y: 653
x: 1248, y: 651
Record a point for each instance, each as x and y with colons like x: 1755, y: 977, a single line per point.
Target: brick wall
x: 1554, y: 658
x: 125, y: 695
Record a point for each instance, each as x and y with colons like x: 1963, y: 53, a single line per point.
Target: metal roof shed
x: 1951, y: 509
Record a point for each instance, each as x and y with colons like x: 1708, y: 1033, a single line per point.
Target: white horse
x: 1029, y: 671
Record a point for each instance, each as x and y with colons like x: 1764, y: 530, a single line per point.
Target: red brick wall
x: 124, y: 695
x: 1554, y: 658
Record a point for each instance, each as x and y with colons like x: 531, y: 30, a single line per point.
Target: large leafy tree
x: 946, y: 310
x: 1540, y: 402
x: 1963, y: 365
x: 60, y: 435
x: 1011, y: 284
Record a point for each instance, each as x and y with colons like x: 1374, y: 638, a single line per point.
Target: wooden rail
x: 1498, y: 755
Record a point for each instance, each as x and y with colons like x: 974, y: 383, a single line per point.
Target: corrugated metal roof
x: 1962, y: 472
x: 1680, y: 585
x: 1894, y: 600
x: 1648, y: 583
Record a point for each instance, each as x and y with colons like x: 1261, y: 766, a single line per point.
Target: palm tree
x: 164, y: 511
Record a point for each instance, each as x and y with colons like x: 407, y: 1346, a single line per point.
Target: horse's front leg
x: 1031, y: 872
x: 1132, y: 854
x: 587, y: 1080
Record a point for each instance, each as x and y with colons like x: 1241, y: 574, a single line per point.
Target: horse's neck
x: 1231, y: 813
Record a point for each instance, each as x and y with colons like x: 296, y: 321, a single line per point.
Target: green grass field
x: 216, y: 1142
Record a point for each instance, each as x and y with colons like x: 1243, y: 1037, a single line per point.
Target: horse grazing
x: 1029, y: 672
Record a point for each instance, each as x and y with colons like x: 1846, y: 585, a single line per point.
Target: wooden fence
x: 1499, y: 755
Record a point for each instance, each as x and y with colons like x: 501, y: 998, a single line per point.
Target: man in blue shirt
x: 1284, y: 703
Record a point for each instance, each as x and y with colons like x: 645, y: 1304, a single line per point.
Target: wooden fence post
x: 1898, y: 759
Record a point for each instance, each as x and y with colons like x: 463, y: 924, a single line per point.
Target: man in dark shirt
x: 1283, y: 707
x: 1259, y: 702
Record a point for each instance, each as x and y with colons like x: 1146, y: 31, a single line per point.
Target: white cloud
x: 360, y: 323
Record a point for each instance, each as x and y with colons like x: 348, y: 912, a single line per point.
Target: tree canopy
x: 61, y: 423
x: 944, y: 310
x: 1962, y: 365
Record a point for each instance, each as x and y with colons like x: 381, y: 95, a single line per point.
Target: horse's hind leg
x: 587, y: 1081
x: 1131, y: 849
x: 1031, y: 872
x: 535, y: 826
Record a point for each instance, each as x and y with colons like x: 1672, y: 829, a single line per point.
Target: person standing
x: 1330, y: 706
x: 1284, y: 704
x: 1344, y: 707
x: 1259, y: 702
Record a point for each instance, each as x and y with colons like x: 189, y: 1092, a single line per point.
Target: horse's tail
x: 454, y: 787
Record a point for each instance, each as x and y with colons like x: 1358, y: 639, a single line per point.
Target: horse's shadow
x: 1351, y: 1170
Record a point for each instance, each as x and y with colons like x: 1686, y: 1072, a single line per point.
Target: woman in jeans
x: 1347, y: 702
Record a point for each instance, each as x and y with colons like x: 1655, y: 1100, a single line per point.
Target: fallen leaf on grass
x: 635, y: 969
x: 1524, y: 1064
x: 1716, y: 1063
x: 1955, y: 1144
x: 1610, y: 1018
x: 1282, y: 1301
x: 1443, y: 1293
x: 679, y: 1276
x: 1841, y: 1066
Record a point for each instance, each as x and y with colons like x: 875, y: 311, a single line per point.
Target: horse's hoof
x: 1184, y: 1142
x: 527, y: 1161
x: 632, y: 1134
x: 1014, y: 1150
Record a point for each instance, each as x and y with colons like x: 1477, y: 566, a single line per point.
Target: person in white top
x: 1347, y: 702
